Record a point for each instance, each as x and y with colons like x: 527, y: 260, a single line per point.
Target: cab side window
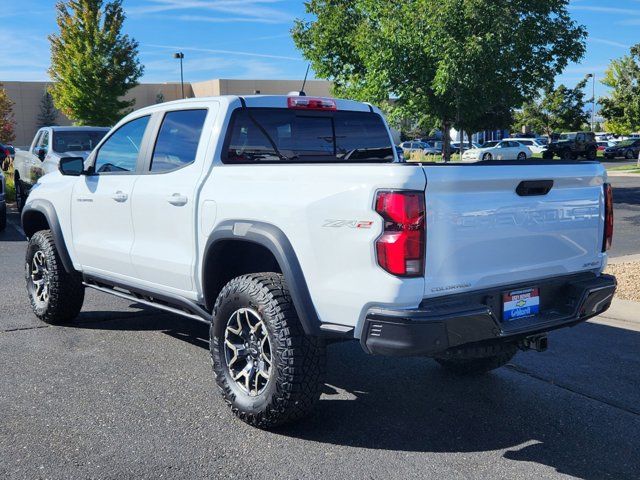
x: 119, y: 153
x: 178, y: 140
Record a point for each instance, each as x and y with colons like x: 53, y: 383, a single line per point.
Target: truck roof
x: 72, y: 128
x: 264, y: 101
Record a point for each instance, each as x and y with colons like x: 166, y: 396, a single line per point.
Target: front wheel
x: 21, y: 198
x: 56, y: 296
x: 628, y: 155
x: 269, y: 372
x: 3, y: 216
x: 487, y: 157
x: 477, y: 360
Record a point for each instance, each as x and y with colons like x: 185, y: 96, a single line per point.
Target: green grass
x: 626, y: 168
x: 10, y: 193
x: 599, y: 155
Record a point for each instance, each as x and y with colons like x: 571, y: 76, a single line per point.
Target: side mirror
x: 71, y: 166
x: 41, y: 154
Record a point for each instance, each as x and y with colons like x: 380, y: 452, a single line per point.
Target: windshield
x: 285, y: 135
x: 567, y: 136
x: 79, y: 141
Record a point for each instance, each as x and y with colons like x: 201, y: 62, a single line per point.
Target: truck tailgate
x: 481, y: 233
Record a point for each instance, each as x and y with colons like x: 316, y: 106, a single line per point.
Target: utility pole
x: 180, y: 56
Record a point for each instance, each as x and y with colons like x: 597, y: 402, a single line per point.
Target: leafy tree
x: 48, y: 113
x: 448, y: 61
x: 621, y: 109
x: 92, y: 63
x: 557, y: 109
x: 7, y: 123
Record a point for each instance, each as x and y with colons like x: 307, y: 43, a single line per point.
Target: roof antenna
x: 304, y: 82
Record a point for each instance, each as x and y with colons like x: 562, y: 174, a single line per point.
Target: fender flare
x: 47, y: 209
x: 274, y: 240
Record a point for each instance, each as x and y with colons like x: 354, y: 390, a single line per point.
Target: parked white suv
x: 285, y: 223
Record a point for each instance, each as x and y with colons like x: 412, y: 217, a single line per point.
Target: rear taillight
x: 400, y: 249
x: 608, y: 217
x: 310, y: 103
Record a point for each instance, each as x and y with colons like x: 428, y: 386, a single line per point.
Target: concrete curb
x: 623, y: 310
x: 624, y: 259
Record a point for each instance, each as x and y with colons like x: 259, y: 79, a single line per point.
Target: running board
x: 162, y: 301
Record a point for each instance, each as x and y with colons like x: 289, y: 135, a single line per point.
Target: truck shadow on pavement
x: 411, y: 405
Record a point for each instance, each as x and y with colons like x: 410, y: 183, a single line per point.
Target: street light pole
x: 180, y: 55
x: 593, y: 100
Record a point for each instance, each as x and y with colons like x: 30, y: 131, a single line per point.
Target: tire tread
x: 301, y: 376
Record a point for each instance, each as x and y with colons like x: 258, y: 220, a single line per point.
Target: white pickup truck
x: 286, y: 222
x: 48, y: 146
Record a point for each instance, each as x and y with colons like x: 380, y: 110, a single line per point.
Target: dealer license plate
x: 520, y: 304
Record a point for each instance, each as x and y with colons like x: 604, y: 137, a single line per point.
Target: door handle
x: 120, y: 196
x: 177, y: 199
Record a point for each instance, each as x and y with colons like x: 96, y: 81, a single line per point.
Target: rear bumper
x: 439, y: 325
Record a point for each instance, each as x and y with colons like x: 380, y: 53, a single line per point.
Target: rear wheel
x: 269, y: 372
x: 477, y: 360
x: 592, y: 153
x: 56, y: 296
x: 567, y: 154
x: 547, y: 155
x: 522, y: 156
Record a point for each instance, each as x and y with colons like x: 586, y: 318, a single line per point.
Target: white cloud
x: 24, y: 56
x: 605, y: 41
x: 611, y: 10
x: 225, y: 52
x: 240, y: 10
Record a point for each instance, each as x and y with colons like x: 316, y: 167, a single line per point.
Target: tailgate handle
x: 530, y: 188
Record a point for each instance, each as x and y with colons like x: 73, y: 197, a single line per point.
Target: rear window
x: 276, y: 135
x: 79, y: 141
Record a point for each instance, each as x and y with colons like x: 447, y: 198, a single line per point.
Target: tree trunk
x: 469, y: 134
x: 446, y: 151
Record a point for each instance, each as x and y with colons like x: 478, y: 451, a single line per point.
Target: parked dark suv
x: 570, y: 146
x: 628, y: 149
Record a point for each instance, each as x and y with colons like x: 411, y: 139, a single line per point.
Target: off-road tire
x: 566, y: 154
x: 547, y: 155
x: 477, y: 360
x: 20, y: 196
x: 298, y: 360
x: 3, y: 216
x: 66, y: 292
x: 592, y: 154
x: 487, y: 157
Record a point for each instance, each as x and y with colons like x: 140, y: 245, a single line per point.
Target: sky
x: 250, y: 38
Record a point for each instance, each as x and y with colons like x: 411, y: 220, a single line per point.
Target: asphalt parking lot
x: 127, y: 392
